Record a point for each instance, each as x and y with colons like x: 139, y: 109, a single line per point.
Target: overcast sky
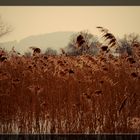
x: 33, y: 20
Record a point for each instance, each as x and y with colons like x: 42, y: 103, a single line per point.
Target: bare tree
x: 4, y: 28
x: 84, y: 40
x: 130, y: 44
x: 50, y: 51
x: 132, y: 39
x: 80, y: 43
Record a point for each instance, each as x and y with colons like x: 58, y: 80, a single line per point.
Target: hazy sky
x: 31, y: 20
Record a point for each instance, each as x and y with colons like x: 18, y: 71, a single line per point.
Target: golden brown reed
x: 70, y: 94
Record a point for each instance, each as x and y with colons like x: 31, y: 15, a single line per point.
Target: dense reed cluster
x: 70, y: 94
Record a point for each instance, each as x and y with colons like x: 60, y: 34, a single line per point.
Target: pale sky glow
x: 29, y: 20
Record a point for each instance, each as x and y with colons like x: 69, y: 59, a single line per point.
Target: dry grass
x: 69, y: 94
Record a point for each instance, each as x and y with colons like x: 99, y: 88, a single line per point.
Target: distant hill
x: 55, y: 40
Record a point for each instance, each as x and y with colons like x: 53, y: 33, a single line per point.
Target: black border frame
x: 69, y: 2
x: 69, y: 137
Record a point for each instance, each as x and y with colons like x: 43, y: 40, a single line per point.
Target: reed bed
x: 70, y: 94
